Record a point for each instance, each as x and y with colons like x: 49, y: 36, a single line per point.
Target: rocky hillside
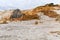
x: 49, y: 10
x: 40, y: 23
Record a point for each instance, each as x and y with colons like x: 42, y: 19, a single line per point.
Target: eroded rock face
x: 30, y: 17
x: 50, y: 14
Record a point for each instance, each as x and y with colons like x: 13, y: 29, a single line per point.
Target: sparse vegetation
x: 50, y: 4
x: 57, y: 32
x: 58, y: 18
x: 36, y: 22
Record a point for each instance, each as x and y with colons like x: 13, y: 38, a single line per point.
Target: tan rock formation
x: 31, y: 13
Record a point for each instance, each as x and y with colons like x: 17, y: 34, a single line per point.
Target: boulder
x: 16, y: 14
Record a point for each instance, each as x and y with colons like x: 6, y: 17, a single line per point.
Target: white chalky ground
x: 28, y: 30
